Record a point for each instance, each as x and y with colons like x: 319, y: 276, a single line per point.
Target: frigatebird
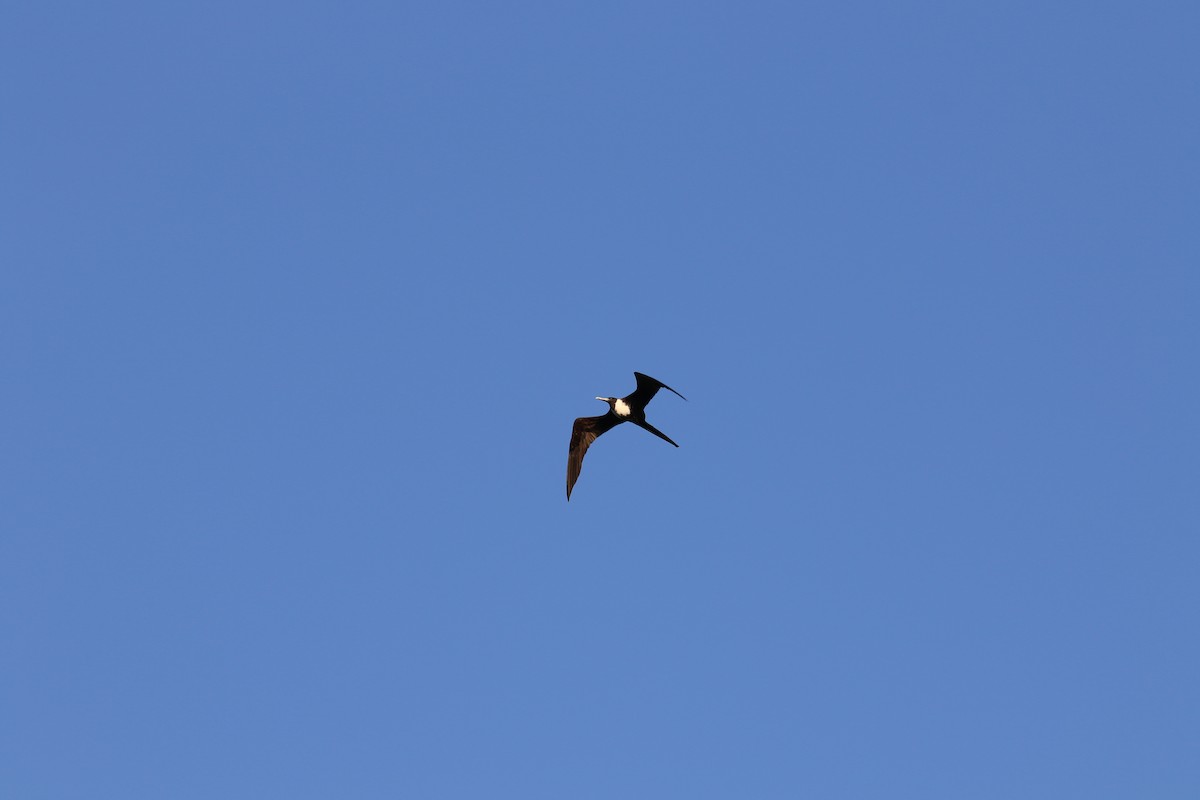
x: 630, y: 408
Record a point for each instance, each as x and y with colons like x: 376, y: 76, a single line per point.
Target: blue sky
x: 299, y: 301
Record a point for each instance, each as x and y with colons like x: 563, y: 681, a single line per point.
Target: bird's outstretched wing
x: 647, y: 387
x: 583, y: 433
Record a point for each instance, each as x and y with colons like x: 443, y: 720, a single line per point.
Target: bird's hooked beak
x: 605, y: 399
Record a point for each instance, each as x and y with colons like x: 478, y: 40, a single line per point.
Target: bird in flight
x: 630, y: 408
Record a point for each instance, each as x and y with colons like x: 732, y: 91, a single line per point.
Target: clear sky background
x: 298, y: 302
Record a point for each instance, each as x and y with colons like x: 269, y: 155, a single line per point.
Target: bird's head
x: 609, y: 400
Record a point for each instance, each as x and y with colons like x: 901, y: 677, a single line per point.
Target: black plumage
x: 631, y: 408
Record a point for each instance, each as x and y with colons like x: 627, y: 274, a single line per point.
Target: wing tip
x: 637, y: 374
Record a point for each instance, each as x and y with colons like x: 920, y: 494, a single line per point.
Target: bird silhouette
x: 630, y: 408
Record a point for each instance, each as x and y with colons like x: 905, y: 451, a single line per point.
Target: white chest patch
x: 622, y: 408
